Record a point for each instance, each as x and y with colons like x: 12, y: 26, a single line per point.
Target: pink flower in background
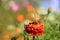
x: 25, y: 3
x: 15, y: 8
x: 54, y: 0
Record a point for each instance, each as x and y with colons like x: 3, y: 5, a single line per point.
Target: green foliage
x: 52, y: 29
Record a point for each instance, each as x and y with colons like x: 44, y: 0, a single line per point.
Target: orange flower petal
x: 29, y: 9
x: 20, y: 18
x: 6, y: 37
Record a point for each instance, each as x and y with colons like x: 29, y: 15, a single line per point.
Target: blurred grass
x: 7, y: 17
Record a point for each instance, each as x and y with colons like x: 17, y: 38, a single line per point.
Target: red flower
x: 35, y: 29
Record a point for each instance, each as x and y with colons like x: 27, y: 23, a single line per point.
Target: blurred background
x: 14, y: 14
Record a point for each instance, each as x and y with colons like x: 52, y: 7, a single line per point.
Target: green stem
x: 24, y: 37
x: 33, y: 37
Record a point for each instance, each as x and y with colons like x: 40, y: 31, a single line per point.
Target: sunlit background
x: 15, y: 14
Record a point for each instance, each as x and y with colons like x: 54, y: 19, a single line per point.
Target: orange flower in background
x: 6, y: 37
x: 20, y: 18
x: 17, y: 30
x: 29, y: 8
x: 18, y: 38
x: 35, y: 29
